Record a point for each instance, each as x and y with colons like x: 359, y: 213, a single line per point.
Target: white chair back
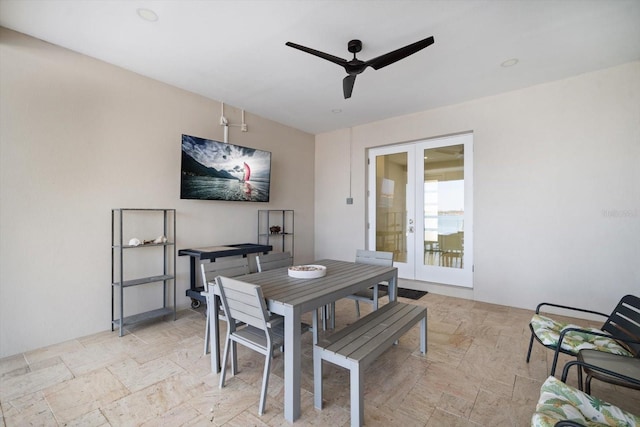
x: 374, y: 257
x: 243, y: 302
x: 274, y: 260
x: 223, y: 267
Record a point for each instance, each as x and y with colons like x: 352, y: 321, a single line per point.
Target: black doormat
x: 406, y: 293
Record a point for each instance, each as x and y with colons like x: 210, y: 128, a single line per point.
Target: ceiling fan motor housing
x: 354, y: 46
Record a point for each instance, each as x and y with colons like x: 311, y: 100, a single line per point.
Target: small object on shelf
x: 275, y: 229
x: 307, y: 271
x: 156, y: 241
x: 134, y: 242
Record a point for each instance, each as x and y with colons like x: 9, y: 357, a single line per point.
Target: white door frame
x: 415, y: 268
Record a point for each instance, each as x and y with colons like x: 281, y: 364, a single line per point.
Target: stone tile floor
x: 474, y: 374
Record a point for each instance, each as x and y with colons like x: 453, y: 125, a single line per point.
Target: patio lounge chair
x: 561, y: 405
x: 620, y: 333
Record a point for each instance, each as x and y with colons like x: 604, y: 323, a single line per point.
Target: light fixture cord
x: 350, y: 162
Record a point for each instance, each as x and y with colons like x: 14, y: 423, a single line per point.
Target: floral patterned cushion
x: 548, y: 331
x: 559, y: 401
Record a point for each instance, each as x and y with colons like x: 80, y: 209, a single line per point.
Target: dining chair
x: 452, y: 246
x: 261, y: 332
x: 373, y: 294
x: 209, y: 270
x: 284, y: 259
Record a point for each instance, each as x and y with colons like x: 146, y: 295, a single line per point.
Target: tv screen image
x: 214, y: 170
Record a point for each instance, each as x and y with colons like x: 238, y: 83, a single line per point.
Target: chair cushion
x: 559, y: 401
x: 548, y: 332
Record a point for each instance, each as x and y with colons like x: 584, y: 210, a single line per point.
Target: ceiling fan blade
x: 334, y: 59
x: 347, y: 85
x: 398, y: 54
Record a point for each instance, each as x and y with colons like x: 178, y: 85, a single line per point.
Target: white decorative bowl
x: 307, y: 271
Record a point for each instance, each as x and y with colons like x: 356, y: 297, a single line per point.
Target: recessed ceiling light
x: 509, y: 63
x: 147, y: 15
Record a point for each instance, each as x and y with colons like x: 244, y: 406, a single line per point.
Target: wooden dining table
x: 291, y: 297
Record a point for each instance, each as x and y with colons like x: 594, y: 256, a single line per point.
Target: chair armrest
x: 275, y: 320
x: 565, y: 372
x: 566, y: 307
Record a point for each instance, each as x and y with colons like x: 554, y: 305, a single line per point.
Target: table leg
x: 393, y: 287
x: 393, y: 292
x: 314, y: 326
x: 292, y: 364
x: 214, y: 329
x: 192, y: 274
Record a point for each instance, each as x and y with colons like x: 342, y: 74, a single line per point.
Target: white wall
x: 557, y: 188
x: 79, y: 137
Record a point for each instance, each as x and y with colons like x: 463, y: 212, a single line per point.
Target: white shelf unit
x: 283, y: 240
x: 158, y: 261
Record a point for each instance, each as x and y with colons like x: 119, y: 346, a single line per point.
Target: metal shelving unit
x: 282, y: 240
x: 121, y: 278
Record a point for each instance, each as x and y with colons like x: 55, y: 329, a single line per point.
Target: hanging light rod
x: 224, y: 122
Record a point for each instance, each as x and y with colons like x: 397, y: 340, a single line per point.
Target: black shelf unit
x: 283, y: 240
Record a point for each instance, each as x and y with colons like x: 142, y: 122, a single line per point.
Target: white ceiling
x: 234, y: 51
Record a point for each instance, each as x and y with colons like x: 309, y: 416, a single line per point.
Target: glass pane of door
x: 391, y: 204
x: 444, y: 206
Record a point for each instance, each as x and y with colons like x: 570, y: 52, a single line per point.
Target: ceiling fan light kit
x: 356, y: 66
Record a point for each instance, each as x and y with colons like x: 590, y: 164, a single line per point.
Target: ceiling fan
x: 356, y: 66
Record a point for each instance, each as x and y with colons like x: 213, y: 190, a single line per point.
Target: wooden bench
x: 359, y: 344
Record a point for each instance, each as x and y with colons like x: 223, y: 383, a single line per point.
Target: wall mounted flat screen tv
x: 213, y: 170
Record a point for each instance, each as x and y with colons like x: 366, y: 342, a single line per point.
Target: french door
x: 420, y: 208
